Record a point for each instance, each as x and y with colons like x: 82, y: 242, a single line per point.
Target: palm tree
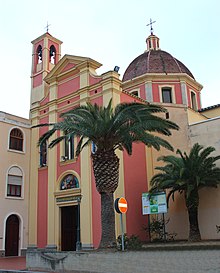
x: 109, y: 130
x: 187, y: 174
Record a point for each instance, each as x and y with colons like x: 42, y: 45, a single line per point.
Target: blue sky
x: 111, y: 32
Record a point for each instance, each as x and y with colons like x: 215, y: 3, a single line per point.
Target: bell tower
x: 46, y: 53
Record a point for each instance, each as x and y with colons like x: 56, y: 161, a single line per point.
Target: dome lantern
x: 152, y: 42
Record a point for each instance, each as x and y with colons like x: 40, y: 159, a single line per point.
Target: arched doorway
x: 12, y: 236
x: 68, y: 198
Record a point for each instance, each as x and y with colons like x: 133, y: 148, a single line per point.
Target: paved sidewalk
x: 12, y: 263
x: 175, y: 257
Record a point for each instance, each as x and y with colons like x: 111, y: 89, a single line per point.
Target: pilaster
x: 86, y: 187
x: 33, y: 185
x: 52, y: 175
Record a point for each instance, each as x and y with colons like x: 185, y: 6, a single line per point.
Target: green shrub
x: 156, y: 230
x: 131, y: 243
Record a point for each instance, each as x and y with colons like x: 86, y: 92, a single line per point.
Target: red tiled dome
x: 155, y: 61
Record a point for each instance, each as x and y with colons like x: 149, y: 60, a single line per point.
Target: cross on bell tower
x: 47, y: 27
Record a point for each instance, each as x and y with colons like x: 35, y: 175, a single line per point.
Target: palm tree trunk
x: 106, y: 172
x: 108, y: 221
x: 194, y: 232
x: 192, y: 204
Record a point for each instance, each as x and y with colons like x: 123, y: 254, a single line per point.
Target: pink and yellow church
x: 64, y: 206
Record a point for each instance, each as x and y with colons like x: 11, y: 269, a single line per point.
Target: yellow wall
x: 194, y: 116
x: 20, y: 159
x: 212, y: 113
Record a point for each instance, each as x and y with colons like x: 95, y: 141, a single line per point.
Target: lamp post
x: 78, y: 239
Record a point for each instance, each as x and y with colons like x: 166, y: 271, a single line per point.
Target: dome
x: 154, y: 61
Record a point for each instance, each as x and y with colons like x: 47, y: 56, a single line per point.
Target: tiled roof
x: 209, y: 107
x: 155, y: 61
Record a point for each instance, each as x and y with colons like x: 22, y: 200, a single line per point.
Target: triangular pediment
x: 70, y: 64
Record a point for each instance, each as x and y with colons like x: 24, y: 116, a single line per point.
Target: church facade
x: 58, y: 206
x: 64, y: 203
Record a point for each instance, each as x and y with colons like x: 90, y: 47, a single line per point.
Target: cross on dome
x: 150, y: 24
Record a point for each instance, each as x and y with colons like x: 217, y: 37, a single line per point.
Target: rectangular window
x: 193, y: 101
x: 14, y: 185
x: 167, y: 95
x: 69, y: 147
x: 43, y: 154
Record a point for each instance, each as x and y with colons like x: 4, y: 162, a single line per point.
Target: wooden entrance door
x: 68, y: 228
x: 12, y: 236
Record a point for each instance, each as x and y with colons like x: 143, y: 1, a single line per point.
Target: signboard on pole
x: 121, y: 205
x: 154, y: 203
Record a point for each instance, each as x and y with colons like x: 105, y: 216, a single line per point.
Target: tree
x: 187, y: 174
x: 109, y: 130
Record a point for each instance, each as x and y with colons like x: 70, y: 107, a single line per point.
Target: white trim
x: 191, y: 104
x: 21, y: 228
x: 135, y: 90
x: 63, y: 147
x: 22, y: 186
x: 60, y: 178
x: 172, y: 92
x: 203, y: 121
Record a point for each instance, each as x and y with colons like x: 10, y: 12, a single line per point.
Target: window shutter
x: 14, y: 180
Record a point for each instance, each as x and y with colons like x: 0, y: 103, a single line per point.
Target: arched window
x: 43, y: 154
x: 14, y: 182
x: 16, y: 140
x: 52, y: 54
x: 69, y: 182
x: 39, y: 54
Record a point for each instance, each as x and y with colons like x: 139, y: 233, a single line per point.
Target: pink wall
x: 98, y: 101
x: 42, y: 208
x: 68, y: 87
x: 142, y: 90
x: 155, y: 90
x: 135, y: 175
x: 42, y: 197
x: 94, y: 80
x: 68, y: 67
x: 178, y: 93
x: 37, y: 80
x: 63, y: 167
x: 128, y: 98
x: 66, y: 102
x: 95, y: 91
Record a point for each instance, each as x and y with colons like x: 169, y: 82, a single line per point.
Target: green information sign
x: 154, y: 203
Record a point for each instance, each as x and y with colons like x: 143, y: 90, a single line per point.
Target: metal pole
x: 149, y: 231
x: 122, y: 234
x: 78, y: 242
x: 164, y: 229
